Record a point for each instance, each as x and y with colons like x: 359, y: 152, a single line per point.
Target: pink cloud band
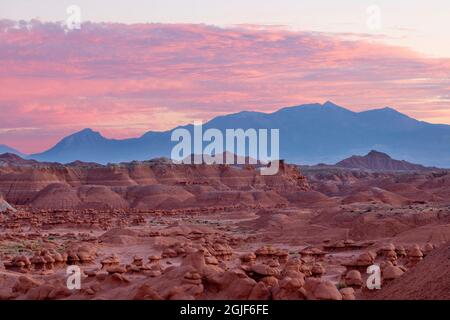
x: 127, y: 79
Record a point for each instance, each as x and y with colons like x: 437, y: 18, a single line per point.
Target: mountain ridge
x: 309, y: 134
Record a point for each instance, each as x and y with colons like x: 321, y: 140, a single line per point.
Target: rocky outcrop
x: 378, y: 161
x: 428, y: 280
x: 143, y: 185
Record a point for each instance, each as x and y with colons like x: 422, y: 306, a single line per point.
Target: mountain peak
x: 84, y: 137
x: 391, y: 110
x: 329, y: 103
x: 315, y: 107
x: 375, y: 153
x: 331, y: 106
x: 386, y: 111
x: 87, y: 131
x: 378, y: 161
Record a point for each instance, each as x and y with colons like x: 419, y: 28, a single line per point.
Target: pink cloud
x: 127, y: 79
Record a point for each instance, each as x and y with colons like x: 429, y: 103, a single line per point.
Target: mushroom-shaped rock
x: 192, y: 277
x: 293, y: 265
x: 392, y: 272
x: 133, y: 268
x: 282, y: 255
x: 116, y: 269
x: 111, y: 260
x: 119, y: 277
x: 373, y: 254
x: 221, y: 250
x: 353, y: 279
x: 365, y: 259
x: 415, y: 254
x: 211, y: 260
x: 58, y: 257
x: 312, y: 252
x: 248, y: 257
x: 400, y: 251
x: 270, y: 281
x: 306, y: 270
x: 154, y: 258
x: 391, y: 256
x: 265, y: 270
x: 37, y: 260
x: 263, y: 251
x: 48, y: 256
x: 321, y: 290
x: 317, y: 270
x: 138, y: 261
x: 385, y: 264
x: 91, y: 273
x: 72, y: 257
x: 24, y: 261
x: 289, y: 289
x: 84, y: 256
x: 388, y: 247
x: 349, y: 242
x: 169, y: 253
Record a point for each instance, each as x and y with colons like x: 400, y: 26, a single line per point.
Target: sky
x: 141, y: 65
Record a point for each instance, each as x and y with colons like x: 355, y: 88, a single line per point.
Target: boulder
x: 353, y: 279
x: 392, y: 272
x: 321, y: 290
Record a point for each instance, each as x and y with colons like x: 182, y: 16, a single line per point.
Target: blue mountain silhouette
x: 309, y: 134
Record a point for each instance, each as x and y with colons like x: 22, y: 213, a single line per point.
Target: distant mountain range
x: 309, y: 134
x: 379, y: 161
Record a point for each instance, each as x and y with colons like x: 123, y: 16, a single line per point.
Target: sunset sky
x: 141, y: 65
